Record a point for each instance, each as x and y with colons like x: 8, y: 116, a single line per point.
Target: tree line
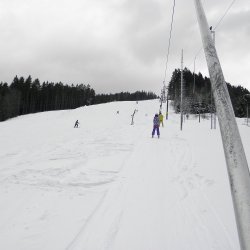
x: 197, y: 96
x: 125, y: 96
x: 25, y: 96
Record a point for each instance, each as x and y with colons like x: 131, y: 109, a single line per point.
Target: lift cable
x: 216, y: 26
x: 169, y: 42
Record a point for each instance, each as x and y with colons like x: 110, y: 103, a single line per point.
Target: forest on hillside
x: 197, y: 94
x: 25, y: 96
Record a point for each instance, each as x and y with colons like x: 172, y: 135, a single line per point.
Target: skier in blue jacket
x: 156, y: 123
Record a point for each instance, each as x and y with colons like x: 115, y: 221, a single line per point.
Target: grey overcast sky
x: 117, y: 45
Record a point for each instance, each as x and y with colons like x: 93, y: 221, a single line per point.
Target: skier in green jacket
x: 161, y: 119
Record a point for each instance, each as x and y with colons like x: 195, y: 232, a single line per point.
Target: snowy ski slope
x: 109, y: 186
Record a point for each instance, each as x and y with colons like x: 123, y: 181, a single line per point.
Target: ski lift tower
x: 237, y: 166
x: 164, y: 98
x: 163, y: 95
x: 246, y: 97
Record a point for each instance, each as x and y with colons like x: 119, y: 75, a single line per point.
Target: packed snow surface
x: 108, y: 185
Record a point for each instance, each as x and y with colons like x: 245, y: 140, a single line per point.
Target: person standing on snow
x: 156, y: 123
x: 161, y: 119
x: 76, y: 124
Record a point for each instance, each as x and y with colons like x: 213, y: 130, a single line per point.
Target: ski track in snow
x: 94, y: 235
x: 108, y: 186
x: 189, y: 182
x: 197, y: 182
x: 111, y: 210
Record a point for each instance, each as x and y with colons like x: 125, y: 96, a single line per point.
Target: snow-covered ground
x: 109, y: 186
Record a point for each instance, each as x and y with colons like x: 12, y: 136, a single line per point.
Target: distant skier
x: 76, y: 124
x: 161, y: 119
x: 156, y: 123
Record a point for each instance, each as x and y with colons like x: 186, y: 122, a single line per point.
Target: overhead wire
x: 229, y: 7
x: 169, y: 41
x: 216, y: 26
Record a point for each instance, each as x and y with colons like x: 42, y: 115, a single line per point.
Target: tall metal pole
x: 211, y: 100
x: 194, y: 76
x: 161, y: 100
x: 213, y: 35
x: 244, y: 97
x: 167, y: 108
x: 247, y: 113
x: 181, y: 104
x: 237, y: 166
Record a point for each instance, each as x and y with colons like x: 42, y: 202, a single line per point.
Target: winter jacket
x: 156, y: 121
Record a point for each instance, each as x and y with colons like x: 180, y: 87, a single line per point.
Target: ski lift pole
x: 132, y: 122
x: 244, y: 97
x: 213, y: 36
x: 181, y: 104
x: 194, y: 77
x: 211, y: 111
x: 166, y: 88
x: 167, y: 108
x: 247, y: 114
x: 237, y: 166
